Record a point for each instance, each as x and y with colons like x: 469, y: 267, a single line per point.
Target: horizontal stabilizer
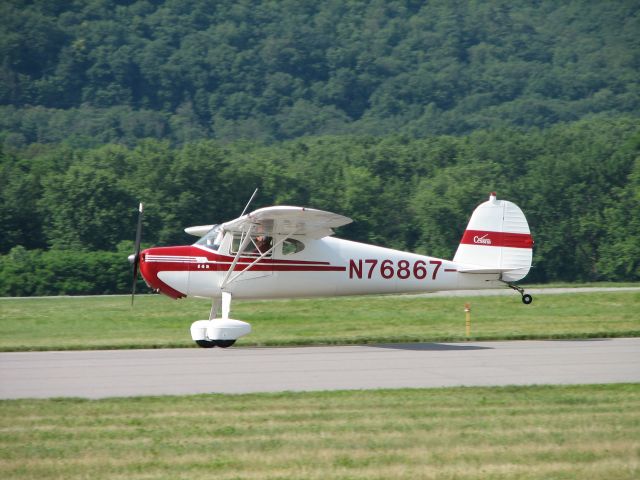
x: 486, y: 270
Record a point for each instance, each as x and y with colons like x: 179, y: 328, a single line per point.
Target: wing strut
x: 249, y: 202
x: 243, y: 245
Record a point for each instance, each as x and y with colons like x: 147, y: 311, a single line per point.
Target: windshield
x: 212, y: 239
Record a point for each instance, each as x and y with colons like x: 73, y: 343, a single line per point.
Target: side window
x: 235, y: 245
x: 258, y: 245
x: 291, y: 246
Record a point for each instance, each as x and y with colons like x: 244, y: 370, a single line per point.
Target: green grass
x: 583, y: 285
x: 463, y: 433
x: 156, y: 321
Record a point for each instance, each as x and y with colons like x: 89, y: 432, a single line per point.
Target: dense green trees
x: 399, y: 113
x: 63, y: 272
x: 103, y: 71
x: 579, y: 185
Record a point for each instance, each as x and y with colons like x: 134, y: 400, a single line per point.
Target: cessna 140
x: 282, y: 251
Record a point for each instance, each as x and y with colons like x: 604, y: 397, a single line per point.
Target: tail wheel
x: 526, y: 298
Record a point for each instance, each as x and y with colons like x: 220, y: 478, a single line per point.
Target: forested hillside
x: 73, y: 211
x: 401, y: 114
x: 97, y: 71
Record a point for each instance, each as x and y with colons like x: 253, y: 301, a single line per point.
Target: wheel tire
x: 206, y: 343
x: 527, y: 299
x: 224, y: 343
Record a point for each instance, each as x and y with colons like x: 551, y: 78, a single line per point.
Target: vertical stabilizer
x: 497, y: 238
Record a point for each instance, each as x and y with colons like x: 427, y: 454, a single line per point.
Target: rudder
x: 497, y: 239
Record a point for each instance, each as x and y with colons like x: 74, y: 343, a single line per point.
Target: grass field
x: 463, y: 433
x: 156, y: 321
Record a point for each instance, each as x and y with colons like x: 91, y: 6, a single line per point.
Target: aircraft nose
x: 149, y: 274
x: 163, y: 273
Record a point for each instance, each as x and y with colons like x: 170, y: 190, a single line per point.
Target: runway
x: 123, y: 373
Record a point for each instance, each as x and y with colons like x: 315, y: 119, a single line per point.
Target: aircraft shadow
x: 429, y: 347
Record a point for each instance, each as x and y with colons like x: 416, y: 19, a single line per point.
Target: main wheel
x: 527, y: 299
x: 224, y: 343
x: 206, y: 343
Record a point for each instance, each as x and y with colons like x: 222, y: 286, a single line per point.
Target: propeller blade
x: 135, y: 280
x: 135, y: 258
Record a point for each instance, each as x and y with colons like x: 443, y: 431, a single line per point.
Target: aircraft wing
x: 199, y: 230
x: 284, y: 220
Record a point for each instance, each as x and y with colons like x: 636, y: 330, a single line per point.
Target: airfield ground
x: 187, y: 371
x: 463, y: 433
x: 62, y: 323
x: 527, y: 432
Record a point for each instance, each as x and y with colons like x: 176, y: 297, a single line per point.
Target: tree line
x: 117, y: 71
x: 68, y: 214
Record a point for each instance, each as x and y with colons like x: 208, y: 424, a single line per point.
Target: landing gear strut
x: 526, y: 298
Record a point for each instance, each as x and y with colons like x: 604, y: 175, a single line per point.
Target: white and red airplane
x: 284, y: 252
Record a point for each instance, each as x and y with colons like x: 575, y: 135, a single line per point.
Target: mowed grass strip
x: 156, y: 321
x: 464, y: 433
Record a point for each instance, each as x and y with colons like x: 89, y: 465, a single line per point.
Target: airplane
x: 288, y: 252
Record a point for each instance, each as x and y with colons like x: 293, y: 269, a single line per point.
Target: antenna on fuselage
x: 249, y: 202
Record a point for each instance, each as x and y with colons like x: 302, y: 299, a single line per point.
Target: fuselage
x: 327, y: 266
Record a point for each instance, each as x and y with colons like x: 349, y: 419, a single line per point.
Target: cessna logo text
x: 483, y: 240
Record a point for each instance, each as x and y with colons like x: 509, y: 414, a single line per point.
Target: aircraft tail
x: 497, y: 240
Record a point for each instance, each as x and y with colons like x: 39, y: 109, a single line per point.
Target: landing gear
x: 215, y: 343
x: 219, y: 332
x: 526, y: 298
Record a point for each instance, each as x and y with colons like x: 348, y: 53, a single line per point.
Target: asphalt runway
x: 122, y: 373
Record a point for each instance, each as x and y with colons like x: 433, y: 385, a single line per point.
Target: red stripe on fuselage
x: 497, y: 239
x: 184, y: 258
x: 216, y: 257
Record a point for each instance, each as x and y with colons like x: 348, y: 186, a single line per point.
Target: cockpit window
x: 291, y: 246
x: 258, y: 245
x: 212, y: 239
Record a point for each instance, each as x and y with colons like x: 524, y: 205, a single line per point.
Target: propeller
x: 135, y: 257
